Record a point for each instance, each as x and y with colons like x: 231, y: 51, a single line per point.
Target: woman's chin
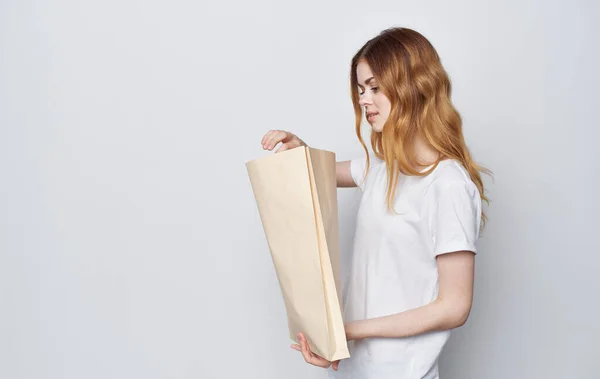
x: 376, y: 128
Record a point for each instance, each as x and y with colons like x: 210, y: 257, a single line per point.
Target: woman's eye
x: 374, y: 89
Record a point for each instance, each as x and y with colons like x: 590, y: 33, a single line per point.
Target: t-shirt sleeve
x: 455, y: 217
x: 357, y: 170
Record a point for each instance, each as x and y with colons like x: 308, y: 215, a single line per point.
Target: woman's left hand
x: 311, y: 357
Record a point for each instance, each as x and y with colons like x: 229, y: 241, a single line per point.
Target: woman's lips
x: 370, y: 117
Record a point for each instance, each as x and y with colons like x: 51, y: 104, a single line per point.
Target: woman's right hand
x: 310, y: 357
x: 288, y: 140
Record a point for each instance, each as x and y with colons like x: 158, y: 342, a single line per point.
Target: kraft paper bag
x: 296, y: 194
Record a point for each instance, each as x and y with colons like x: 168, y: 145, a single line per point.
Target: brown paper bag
x: 296, y: 194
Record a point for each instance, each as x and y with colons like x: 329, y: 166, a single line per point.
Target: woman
x: 411, y: 277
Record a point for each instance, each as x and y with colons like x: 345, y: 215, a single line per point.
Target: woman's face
x: 376, y: 105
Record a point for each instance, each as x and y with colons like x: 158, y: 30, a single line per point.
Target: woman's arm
x: 290, y: 141
x: 450, y: 310
x: 343, y: 176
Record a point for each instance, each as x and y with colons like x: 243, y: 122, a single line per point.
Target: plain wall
x: 130, y: 242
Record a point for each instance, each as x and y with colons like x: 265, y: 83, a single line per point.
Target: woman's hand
x: 288, y: 140
x: 311, y: 357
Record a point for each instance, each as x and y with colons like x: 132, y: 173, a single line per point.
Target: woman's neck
x: 425, y: 154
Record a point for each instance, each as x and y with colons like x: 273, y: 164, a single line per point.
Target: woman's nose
x: 364, y: 100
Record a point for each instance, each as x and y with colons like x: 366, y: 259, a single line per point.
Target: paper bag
x: 296, y: 194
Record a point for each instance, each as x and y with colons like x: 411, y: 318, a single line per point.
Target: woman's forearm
x: 437, y: 315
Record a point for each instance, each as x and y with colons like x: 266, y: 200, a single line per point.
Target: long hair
x: 409, y: 73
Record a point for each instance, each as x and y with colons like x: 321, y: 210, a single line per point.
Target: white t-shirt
x: 393, y: 266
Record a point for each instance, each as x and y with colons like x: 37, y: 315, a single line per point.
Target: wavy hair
x: 409, y: 72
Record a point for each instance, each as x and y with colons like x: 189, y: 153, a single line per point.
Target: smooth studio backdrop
x: 130, y: 241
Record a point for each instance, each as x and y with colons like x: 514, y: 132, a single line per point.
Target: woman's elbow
x: 460, y: 315
x: 456, y: 313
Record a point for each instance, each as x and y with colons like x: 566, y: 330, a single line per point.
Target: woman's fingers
x: 265, y: 140
x: 273, y: 137
x: 304, y: 347
x: 268, y: 137
x: 283, y: 147
x: 309, y: 356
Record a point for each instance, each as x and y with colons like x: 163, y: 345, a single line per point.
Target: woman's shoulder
x: 359, y: 165
x: 450, y: 170
x: 374, y: 160
x: 450, y: 173
x: 358, y: 168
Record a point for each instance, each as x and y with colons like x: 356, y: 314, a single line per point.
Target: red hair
x: 409, y: 72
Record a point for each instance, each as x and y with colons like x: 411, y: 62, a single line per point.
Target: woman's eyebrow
x: 367, y: 81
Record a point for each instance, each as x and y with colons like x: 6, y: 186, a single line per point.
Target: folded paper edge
x: 335, y: 351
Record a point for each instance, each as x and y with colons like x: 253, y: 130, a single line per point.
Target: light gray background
x: 130, y: 242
